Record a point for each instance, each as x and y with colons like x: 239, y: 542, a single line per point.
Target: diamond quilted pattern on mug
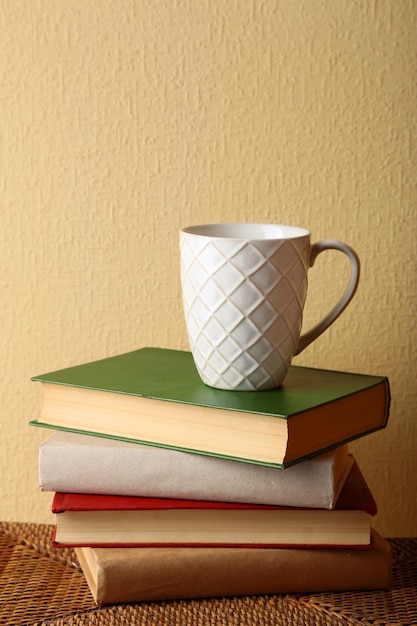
x: 297, y: 277
x: 268, y: 248
x: 261, y: 349
x: 197, y: 274
x: 216, y: 254
x: 232, y: 378
x: 188, y: 292
x: 246, y: 333
x: 205, y: 349
x: 219, y: 363
x: 212, y: 295
x: 284, y: 344
x: 293, y: 311
x: 200, y: 313
x: 214, y: 331
x: 188, y: 254
x: 287, y: 347
x: 212, y: 256
x: 266, y: 278
x: 229, y: 316
x: 229, y: 349
x: 229, y: 277
x: 246, y: 363
x: 247, y: 297
x: 273, y: 361
x: 271, y: 366
x: 282, y: 295
x: 258, y: 379
x: 193, y: 329
x: 248, y: 260
x: 264, y: 315
x: 209, y: 374
x: 291, y: 256
x: 229, y: 248
x: 199, y: 359
x: 278, y: 329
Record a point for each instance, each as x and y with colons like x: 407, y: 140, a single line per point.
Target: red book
x: 108, y: 521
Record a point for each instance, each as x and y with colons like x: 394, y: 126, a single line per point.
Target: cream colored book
x: 75, y: 463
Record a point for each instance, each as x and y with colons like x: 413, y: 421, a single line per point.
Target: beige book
x: 117, y: 575
x: 77, y: 463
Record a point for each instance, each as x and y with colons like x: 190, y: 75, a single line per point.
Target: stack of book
x: 170, y: 489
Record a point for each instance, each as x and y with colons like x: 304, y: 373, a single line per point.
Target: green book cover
x: 316, y: 409
x: 171, y: 375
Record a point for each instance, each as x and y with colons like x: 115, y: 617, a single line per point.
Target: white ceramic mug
x: 244, y: 287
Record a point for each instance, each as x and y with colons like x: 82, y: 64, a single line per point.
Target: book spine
x: 121, y: 468
x: 151, y: 574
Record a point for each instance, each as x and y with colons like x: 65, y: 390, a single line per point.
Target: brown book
x: 117, y: 575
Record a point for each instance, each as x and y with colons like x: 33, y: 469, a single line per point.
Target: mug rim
x: 213, y: 231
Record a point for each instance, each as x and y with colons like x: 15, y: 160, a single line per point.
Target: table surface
x: 40, y: 586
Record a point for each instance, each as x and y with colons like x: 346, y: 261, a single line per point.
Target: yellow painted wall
x: 123, y: 120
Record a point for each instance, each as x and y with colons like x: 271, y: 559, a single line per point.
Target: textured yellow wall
x: 121, y: 121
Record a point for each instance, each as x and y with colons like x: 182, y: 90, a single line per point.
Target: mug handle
x: 316, y: 249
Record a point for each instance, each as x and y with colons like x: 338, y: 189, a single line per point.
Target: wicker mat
x: 41, y: 586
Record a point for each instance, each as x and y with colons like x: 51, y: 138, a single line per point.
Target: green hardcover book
x: 155, y: 396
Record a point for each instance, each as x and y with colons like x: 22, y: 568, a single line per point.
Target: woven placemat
x: 40, y: 586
